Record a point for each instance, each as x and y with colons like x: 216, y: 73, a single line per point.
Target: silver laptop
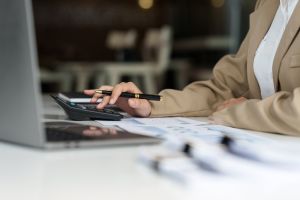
x: 20, y: 105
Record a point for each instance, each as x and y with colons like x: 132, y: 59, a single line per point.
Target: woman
x: 258, y: 88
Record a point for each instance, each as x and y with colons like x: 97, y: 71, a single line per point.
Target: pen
x: 149, y: 97
x: 201, y: 153
x: 208, y: 156
x: 239, y: 150
x: 170, y: 163
x: 272, y: 153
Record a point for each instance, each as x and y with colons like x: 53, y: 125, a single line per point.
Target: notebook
x: 76, y: 97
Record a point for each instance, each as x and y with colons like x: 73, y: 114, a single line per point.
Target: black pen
x: 201, y: 153
x: 245, y: 151
x: 149, y: 97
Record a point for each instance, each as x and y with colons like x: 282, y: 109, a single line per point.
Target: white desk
x: 105, y: 173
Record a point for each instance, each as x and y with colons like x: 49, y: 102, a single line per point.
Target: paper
x: 180, y: 126
x: 167, y: 127
x: 170, y: 121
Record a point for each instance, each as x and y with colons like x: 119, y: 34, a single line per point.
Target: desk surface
x: 106, y: 173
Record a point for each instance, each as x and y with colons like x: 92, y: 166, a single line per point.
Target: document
x: 154, y: 121
x: 167, y: 127
x: 180, y: 126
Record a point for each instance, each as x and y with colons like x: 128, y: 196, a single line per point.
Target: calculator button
x: 81, y: 106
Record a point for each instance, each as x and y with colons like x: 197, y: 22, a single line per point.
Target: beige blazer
x: 233, y: 77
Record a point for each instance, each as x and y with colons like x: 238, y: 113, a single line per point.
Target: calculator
x: 86, y: 112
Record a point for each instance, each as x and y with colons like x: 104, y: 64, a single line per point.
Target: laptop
x: 21, y: 118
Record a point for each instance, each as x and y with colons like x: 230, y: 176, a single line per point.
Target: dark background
x: 75, y: 30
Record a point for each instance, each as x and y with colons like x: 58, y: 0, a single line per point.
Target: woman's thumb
x: 134, y: 103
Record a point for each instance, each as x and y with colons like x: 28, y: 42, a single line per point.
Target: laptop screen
x: 20, y: 103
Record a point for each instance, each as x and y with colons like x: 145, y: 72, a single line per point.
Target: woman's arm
x: 279, y: 113
x: 202, y: 98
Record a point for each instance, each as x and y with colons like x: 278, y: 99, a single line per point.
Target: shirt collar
x: 285, y: 4
x: 287, y: 7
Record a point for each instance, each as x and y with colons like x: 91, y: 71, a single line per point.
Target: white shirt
x: 265, y: 54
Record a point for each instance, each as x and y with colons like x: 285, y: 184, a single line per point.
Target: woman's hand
x: 135, y: 107
x: 230, y: 102
x: 226, y: 104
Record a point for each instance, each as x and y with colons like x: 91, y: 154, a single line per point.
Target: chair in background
x: 83, y: 72
x: 121, y: 41
x: 181, y: 72
x: 146, y: 74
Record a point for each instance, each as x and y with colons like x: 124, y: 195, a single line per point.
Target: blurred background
x: 155, y: 43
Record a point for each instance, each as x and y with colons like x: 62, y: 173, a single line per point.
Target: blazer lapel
x: 260, y: 21
x: 285, y: 43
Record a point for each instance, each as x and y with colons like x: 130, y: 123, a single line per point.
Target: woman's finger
x: 106, y: 87
x: 96, y: 97
x: 89, y: 92
x: 104, y: 102
x: 123, y: 87
x: 118, y: 89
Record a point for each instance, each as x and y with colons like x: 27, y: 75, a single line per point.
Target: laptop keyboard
x: 94, y: 108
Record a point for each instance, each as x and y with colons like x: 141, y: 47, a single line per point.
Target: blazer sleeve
x: 202, y: 97
x: 279, y: 113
